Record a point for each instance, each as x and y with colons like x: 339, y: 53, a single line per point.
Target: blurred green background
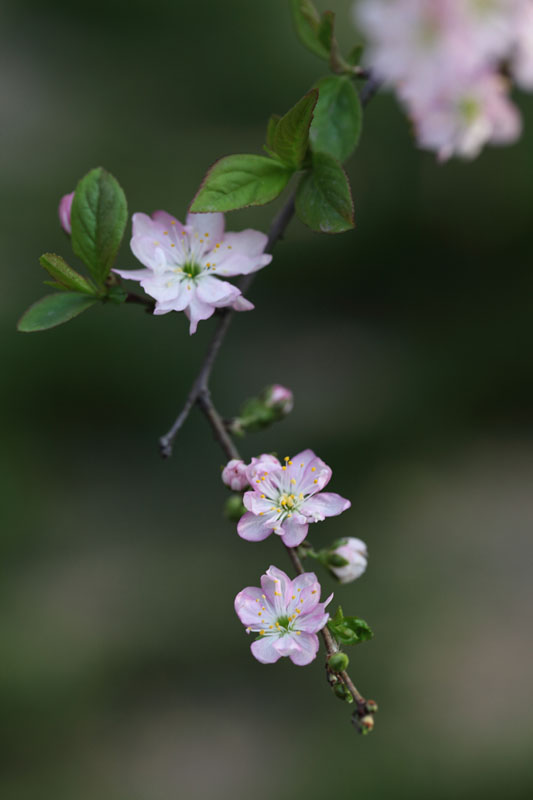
x: 125, y: 674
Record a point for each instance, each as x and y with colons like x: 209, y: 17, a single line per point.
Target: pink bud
x: 280, y: 398
x: 65, y: 205
x: 355, y: 553
x: 234, y: 475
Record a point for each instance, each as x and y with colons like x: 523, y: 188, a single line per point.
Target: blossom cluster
x: 444, y: 59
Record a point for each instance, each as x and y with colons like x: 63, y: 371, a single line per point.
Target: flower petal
x: 242, y: 304
x: 216, y: 292
x: 307, y: 649
x: 325, y: 504
x: 134, y: 274
x: 263, y: 649
x: 294, y: 532
x: 278, y: 588
x: 210, y: 224
x: 253, y: 528
x: 252, y: 608
x: 197, y: 310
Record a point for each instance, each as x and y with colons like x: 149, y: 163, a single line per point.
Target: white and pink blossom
x: 280, y: 398
x: 185, y: 263
x: 355, y: 553
x: 65, y: 206
x: 234, y: 475
x: 286, y: 498
x: 444, y: 59
x: 285, y: 614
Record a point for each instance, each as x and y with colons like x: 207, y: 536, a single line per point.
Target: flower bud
x: 338, y: 662
x: 65, y: 206
x: 353, y: 555
x: 234, y: 508
x: 280, y: 399
x: 234, y: 475
x: 343, y: 693
x: 371, y: 706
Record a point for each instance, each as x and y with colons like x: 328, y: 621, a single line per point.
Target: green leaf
x: 98, y: 218
x: 291, y: 136
x: 271, y: 129
x: 239, y: 181
x: 323, y: 198
x: 308, y: 27
x: 337, y: 120
x: 355, y: 55
x: 325, y: 33
x: 349, y: 630
x: 66, y: 276
x: 54, y: 309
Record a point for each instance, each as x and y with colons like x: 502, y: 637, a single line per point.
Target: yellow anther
x: 259, y: 613
x: 298, y: 610
x: 263, y: 608
x: 278, y: 594
x: 256, y: 599
x: 293, y: 597
x: 301, y: 496
x: 286, y: 458
x: 284, y: 468
x: 261, y: 633
x: 189, y: 288
x: 165, y: 233
x: 298, y: 590
x: 301, y: 465
x: 173, y: 222
x: 208, y: 264
x: 315, y: 480
x: 290, y: 463
x: 229, y: 247
x: 289, y: 514
x: 206, y: 235
x: 155, y: 242
x: 261, y: 513
x: 273, y: 508
x: 314, y: 591
x: 293, y: 481
x: 270, y: 627
x: 201, y: 241
x: 217, y: 245
x: 298, y: 633
x: 264, y: 596
x: 262, y: 497
x: 173, y: 245
x: 313, y: 469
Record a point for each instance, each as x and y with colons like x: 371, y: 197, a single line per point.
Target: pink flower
x: 234, y: 475
x: 286, y: 614
x: 280, y: 398
x: 285, y: 499
x: 65, y: 205
x: 355, y: 553
x: 463, y: 120
x: 184, y: 263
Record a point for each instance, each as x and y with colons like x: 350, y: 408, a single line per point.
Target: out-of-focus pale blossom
x: 444, y: 59
x: 234, y: 475
x: 65, y: 206
x: 185, y: 263
x: 354, y: 553
x: 279, y: 398
x: 285, y: 614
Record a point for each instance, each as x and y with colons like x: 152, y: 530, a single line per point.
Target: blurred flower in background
x: 446, y: 60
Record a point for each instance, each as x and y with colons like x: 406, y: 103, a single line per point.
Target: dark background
x: 124, y: 673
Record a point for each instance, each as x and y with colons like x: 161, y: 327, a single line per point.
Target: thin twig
x: 200, y: 386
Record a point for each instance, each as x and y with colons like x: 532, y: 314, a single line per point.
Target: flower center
x: 191, y: 269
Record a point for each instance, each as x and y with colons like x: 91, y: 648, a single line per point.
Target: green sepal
x: 349, y: 630
x: 54, y: 309
x: 323, y: 197
x: 234, y: 508
x: 98, y: 218
x: 66, y: 277
x: 239, y: 181
x: 337, y: 121
x: 355, y: 55
x: 116, y: 294
x: 307, y: 24
x: 290, y: 136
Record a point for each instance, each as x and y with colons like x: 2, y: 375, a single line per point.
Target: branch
x: 200, y: 388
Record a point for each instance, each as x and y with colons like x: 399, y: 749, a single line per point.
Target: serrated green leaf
x: 307, y: 25
x: 54, y: 309
x: 323, y: 197
x: 271, y: 129
x: 337, y: 121
x: 239, y: 181
x: 349, y: 630
x: 67, y: 277
x: 98, y: 217
x: 291, y: 135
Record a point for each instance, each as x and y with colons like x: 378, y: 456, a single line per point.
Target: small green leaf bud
x: 338, y: 662
x: 343, y: 693
x: 234, y: 508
